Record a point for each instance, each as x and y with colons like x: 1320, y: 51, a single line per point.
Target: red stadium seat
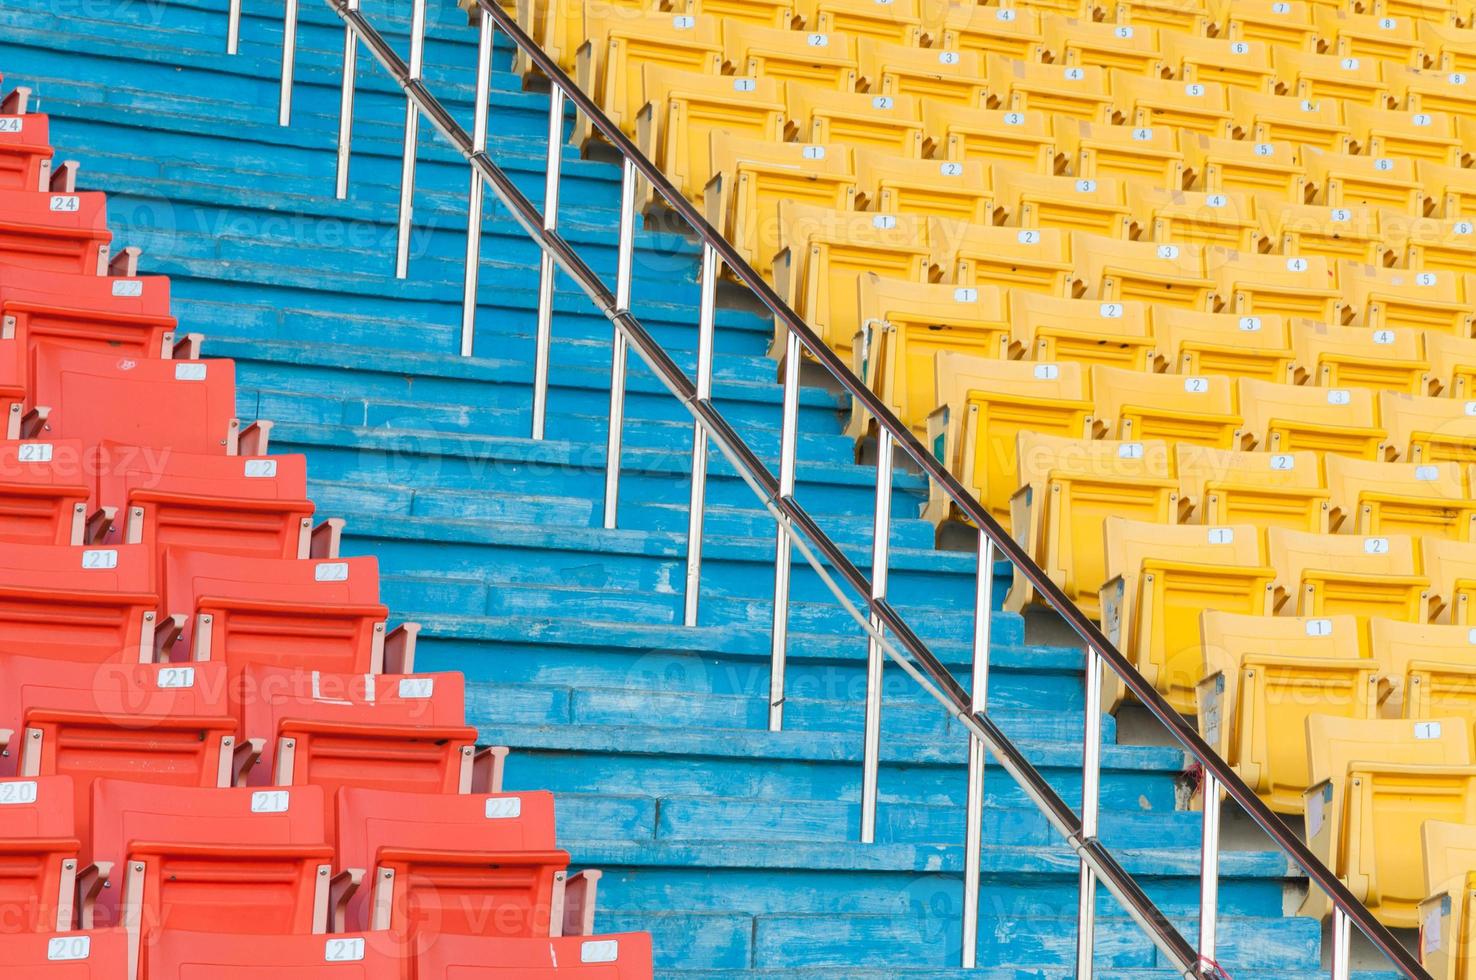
x: 44, y: 490
x: 154, y: 723
x: 310, y: 614
x: 238, y: 505
x: 243, y: 861
x: 38, y: 855
x: 182, y: 406
x: 77, y: 603
x: 100, y: 955
x: 622, y: 957
x: 25, y: 152
x: 55, y: 232
x: 404, y: 732
x: 103, y: 313
x: 472, y: 865
x: 181, y: 955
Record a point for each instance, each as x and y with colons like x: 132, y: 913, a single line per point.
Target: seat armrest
x: 341, y: 888
x: 399, y: 649
x: 29, y: 425
x: 167, y: 630
x: 487, y: 769
x: 125, y: 263
x: 64, y: 177
x: 249, y: 440
x: 186, y: 347
x: 244, y: 758
x: 99, y: 523
x: 91, y: 880
x: 1213, y: 704
x: 579, y: 902
x: 16, y: 103
x: 325, y: 539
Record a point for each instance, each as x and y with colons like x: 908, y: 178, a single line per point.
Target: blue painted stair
x: 733, y: 846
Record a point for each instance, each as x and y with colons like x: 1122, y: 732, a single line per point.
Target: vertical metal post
x: 875, y: 657
x: 346, y: 104
x: 697, y: 506
x: 979, y: 702
x: 1209, y: 871
x: 546, y: 268
x: 233, y: 28
x: 476, y: 190
x: 289, y: 59
x: 1091, y: 778
x: 412, y: 138
x: 623, y: 273
x: 1342, y: 942
x: 788, y: 439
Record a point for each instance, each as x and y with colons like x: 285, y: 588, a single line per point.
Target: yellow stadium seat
x: 1263, y: 676
x: 751, y: 177
x: 1430, y: 243
x: 777, y: 14
x: 1191, y: 107
x: 1375, y: 783
x: 1160, y: 578
x: 1013, y: 32
x: 855, y: 119
x: 1086, y: 331
x: 1402, y: 298
x: 903, y: 326
x: 1448, y: 48
x: 1362, y: 35
x: 1149, y: 272
x: 1451, y: 568
x: 684, y: 108
x: 1194, y: 342
x: 983, y: 407
x: 926, y: 74
x: 1290, y: 285
x: 1068, y: 489
x: 1341, y: 180
x: 988, y: 255
x: 1290, y: 418
x: 1423, y: 135
x: 1193, y: 217
x: 791, y: 56
x: 1098, y: 150
x: 1399, y: 498
x: 1015, y: 139
x: 1264, y: 490
x: 946, y: 188
x: 1452, y: 365
x: 1448, y: 914
x: 1067, y: 90
x: 1274, y: 118
x: 895, y: 21
x: 1450, y: 192
x: 1430, y: 669
x: 1384, y: 359
x: 1315, y: 229
x: 1429, y: 430
x: 1237, y: 165
x: 1167, y: 15
x: 1430, y: 90
x: 1238, y: 64
x: 824, y: 252
x: 1074, y: 41
x: 1086, y: 204
x: 1329, y: 77
x: 1190, y: 408
x: 1338, y: 574
x: 1279, y: 22
x: 609, y: 64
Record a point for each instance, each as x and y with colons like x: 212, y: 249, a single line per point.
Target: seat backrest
x: 1293, y: 553
x: 1130, y: 543
x: 959, y: 375
x: 901, y: 185
x: 77, y: 603
x: 1385, y: 358
x: 1118, y: 392
x: 1266, y: 405
x: 987, y: 255
x: 1034, y: 316
x: 43, y: 492
x: 1227, y: 638
x: 54, y: 232
x: 1351, y: 480
x: 1201, y: 468
x: 824, y: 115
x: 25, y: 151
x: 1450, y: 850
x: 1333, y: 744
x: 184, y: 406
x: 100, y: 955
x: 1398, y: 645
x: 39, y: 844
x: 787, y: 55
x: 100, y: 313
x: 615, y: 957
x: 1158, y: 272
x: 1045, y: 457
x: 1222, y: 343
x: 180, y: 955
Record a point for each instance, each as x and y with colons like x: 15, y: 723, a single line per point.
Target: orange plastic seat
x: 239, y: 861
x: 403, y: 732
x: 38, y: 855
x: 314, y: 614
x: 96, y: 605
x: 43, y: 493
x: 25, y: 152
x: 100, y: 955
x: 183, y: 406
x: 55, y: 232
x: 479, y: 865
x: 616, y: 957
x: 181, y: 955
x: 163, y: 724
x: 119, y: 315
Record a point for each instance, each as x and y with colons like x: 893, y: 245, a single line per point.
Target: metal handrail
x: 796, y: 527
